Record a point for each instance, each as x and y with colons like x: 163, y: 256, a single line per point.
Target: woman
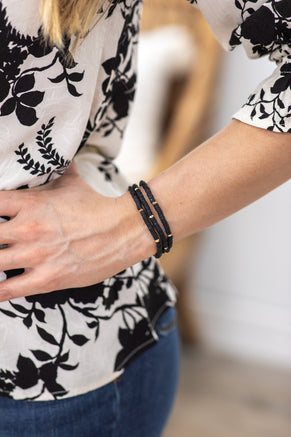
x: 77, y: 351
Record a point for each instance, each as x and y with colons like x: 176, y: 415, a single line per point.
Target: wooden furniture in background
x: 189, y: 115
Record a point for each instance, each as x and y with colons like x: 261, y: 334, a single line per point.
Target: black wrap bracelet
x: 157, y: 207
x: 162, y: 237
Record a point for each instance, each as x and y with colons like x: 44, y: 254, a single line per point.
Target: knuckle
x: 32, y: 202
x: 41, y: 283
x: 37, y: 254
x: 30, y: 230
x: 10, y: 259
x: 27, y: 257
x: 35, y: 227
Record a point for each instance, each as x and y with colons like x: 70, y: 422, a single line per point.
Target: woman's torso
x: 68, y: 342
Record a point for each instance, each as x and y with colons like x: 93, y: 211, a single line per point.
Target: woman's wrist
x: 138, y: 243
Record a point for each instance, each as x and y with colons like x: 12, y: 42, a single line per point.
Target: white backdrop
x: 241, y: 279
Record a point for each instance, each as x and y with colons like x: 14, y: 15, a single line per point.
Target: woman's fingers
x: 8, y: 235
x: 19, y: 256
x: 38, y: 280
x: 20, y: 231
x: 10, y: 261
x: 64, y: 235
x: 25, y: 284
x: 10, y: 203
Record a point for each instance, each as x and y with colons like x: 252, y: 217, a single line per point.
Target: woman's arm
x: 66, y: 235
x: 229, y: 171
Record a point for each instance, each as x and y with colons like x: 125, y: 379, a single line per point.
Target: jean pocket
x: 167, y: 322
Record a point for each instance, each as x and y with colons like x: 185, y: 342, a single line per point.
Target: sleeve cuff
x: 269, y: 107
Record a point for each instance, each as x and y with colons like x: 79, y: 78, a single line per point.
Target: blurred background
x: 234, y: 278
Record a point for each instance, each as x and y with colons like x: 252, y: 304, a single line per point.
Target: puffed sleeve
x: 262, y: 28
x: 268, y: 31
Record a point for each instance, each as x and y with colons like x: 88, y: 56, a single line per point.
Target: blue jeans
x: 138, y: 404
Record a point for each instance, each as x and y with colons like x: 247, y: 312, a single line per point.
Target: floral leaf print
x: 50, y: 155
x: 8, y: 313
x: 112, y: 7
x: 130, y: 339
x: 22, y: 101
x: 17, y: 93
x: 24, y: 83
x: 7, y: 381
x: 27, y: 321
x: 107, y: 167
x: 68, y: 366
x: 79, y: 340
x: 238, y: 4
x: 35, y: 168
x: 19, y: 308
x: 40, y: 315
x: 119, y: 83
x: 63, y: 358
x: 27, y: 375
x: 59, y: 78
x: 43, y: 363
x: 266, y: 30
x: 260, y: 27
x: 76, y: 77
x: 113, y: 293
x: 269, y: 104
x: 55, y: 333
x: 73, y: 91
x: 8, y: 107
x: 284, y: 8
x: 48, y: 374
x: 26, y: 115
x: 41, y: 355
x: 73, y: 77
x: 32, y: 98
x: 5, y: 88
x: 284, y: 82
x: 46, y: 336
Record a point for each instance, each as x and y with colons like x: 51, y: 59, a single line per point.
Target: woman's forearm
x: 229, y: 171
x: 65, y: 235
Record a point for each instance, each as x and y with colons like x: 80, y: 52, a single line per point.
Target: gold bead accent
x: 170, y: 235
x: 157, y: 241
x: 140, y: 210
x: 154, y: 203
x: 151, y: 216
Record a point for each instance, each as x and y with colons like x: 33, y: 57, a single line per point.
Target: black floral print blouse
x: 52, y: 106
x: 263, y: 28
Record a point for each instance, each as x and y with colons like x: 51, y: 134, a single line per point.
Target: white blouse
x: 68, y: 342
x: 263, y: 28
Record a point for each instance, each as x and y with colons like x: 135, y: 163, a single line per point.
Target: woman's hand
x: 65, y: 235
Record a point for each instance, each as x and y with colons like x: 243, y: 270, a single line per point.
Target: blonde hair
x: 67, y: 18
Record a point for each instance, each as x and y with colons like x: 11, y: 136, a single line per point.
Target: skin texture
x: 66, y: 235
